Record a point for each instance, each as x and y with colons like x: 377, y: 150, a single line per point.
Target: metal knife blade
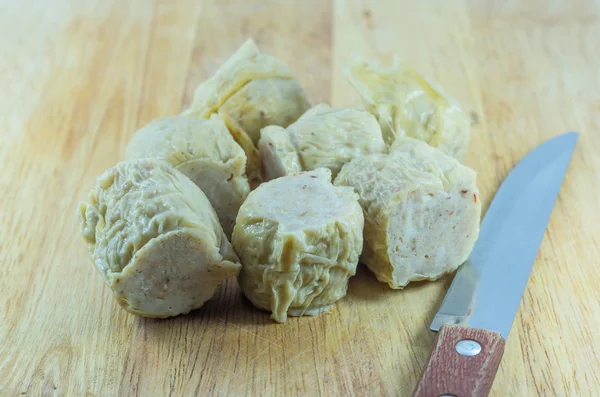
x: 487, y: 289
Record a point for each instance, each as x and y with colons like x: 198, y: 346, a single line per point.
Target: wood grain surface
x: 77, y: 78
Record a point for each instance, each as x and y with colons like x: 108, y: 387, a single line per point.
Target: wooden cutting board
x: 78, y: 78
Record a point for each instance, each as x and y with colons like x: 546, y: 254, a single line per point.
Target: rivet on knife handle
x: 463, y: 363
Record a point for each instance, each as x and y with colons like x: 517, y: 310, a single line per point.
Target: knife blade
x: 477, y: 313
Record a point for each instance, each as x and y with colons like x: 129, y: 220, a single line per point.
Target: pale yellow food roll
x: 422, y: 211
x: 407, y: 104
x: 299, y: 239
x: 155, y: 239
x: 323, y: 137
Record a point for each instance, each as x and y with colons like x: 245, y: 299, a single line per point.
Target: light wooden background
x: 77, y: 78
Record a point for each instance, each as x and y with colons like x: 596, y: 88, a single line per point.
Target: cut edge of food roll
x: 425, y: 245
x: 207, y: 269
x: 278, y: 154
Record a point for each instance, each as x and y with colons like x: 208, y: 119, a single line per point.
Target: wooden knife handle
x: 470, y: 374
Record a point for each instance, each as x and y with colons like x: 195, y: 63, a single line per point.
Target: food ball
x: 322, y: 138
x: 299, y: 239
x: 408, y: 105
x: 155, y: 239
x: 422, y: 211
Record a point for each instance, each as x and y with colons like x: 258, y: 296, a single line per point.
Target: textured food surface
x: 250, y: 91
x: 263, y: 102
x: 406, y: 104
x: 205, y: 152
x: 322, y: 138
x: 277, y: 152
x: 155, y: 238
x: 245, y: 65
x: 329, y: 138
x: 422, y: 211
x: 299, y: 239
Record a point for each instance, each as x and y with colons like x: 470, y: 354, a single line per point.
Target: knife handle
x: 463, y: 363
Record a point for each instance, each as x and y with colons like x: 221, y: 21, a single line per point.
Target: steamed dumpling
x: 408, y: 105
x: 422, y: 211
x: 322, y: 138
x: 155, y: 239
x: 299, y: 239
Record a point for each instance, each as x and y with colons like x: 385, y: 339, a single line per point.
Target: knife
x: 479, y: 308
